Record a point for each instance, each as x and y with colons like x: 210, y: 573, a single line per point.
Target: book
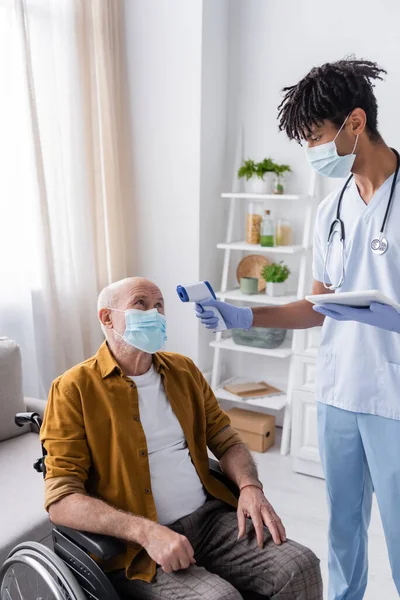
x: 251, y: 389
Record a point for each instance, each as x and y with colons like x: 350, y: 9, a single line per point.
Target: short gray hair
x: 109, y: 296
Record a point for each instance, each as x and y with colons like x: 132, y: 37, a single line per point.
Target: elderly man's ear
x: 105, y: 317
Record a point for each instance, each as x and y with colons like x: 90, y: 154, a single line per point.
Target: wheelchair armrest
x: 24, y: 418
x: 218, y: 473
x: 102, y: 546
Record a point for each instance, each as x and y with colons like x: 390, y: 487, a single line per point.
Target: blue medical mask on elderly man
x: 326, y: 160
x: 145, y: 330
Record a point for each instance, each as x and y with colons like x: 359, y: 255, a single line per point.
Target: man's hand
x: 253, y: 504
x: 168, y: 549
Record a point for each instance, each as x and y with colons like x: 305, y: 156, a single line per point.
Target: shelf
x: 261, y: 249
x: 256, y: 298
x: 283, y: 351
x: 270, y: 402
x: 245, y: 196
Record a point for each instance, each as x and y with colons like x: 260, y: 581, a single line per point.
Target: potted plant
x: 257, y: 175
x: 279, y: 170
x: 275, y: 275
x: 266, y: 169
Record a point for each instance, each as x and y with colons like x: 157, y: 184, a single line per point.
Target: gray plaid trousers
x: 224, y: 564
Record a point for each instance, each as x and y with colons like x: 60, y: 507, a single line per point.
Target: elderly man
x: 126, y: 434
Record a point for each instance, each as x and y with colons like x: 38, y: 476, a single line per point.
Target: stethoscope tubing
x: 339, y: 222
x: 389, y: 204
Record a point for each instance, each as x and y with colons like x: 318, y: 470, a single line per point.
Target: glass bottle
x: 253, y: 224
x: 279, y: 184
x: 284, y: 234
x: 267, y: 237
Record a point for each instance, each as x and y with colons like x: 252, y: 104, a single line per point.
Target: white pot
x: 255, y: 185
x: 270, y: 179
x: 275, y: 289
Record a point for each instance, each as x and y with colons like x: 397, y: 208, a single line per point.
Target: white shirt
x: 176, y: 486
x: 358, y: 367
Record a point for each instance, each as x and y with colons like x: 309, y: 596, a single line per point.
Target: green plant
x: 247, y: 169
x: 250, y: 168
x: 275, y: 273
x: 265, y: 166
x: 279, y: 169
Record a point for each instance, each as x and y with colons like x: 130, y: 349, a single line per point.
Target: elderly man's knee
x: 300, y: 564
x: 226, y: 592
x: 307, y: 560
x: 304, y: 567
x: 230, y: 594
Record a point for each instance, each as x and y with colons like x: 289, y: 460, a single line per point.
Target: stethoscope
x: 378, y: 245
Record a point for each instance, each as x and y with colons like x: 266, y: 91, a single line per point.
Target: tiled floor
x: 300, y: 502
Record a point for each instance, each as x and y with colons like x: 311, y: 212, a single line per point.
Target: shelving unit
x: 223, y: 344
x: 244, y: 247
x: 245, y: 196
x: 236, y: 294
x: 283, y: 351
x: 270, y: 402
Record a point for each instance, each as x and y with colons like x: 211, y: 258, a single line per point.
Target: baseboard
x: 307, y: 467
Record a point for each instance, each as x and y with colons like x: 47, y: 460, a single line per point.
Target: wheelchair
x: 33, y: 571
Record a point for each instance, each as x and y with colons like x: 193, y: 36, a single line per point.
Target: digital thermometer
x: 201, y: 292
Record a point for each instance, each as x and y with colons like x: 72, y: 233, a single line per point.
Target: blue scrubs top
x: 358, y: 366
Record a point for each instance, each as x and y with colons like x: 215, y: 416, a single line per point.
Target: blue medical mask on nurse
x: 326, y: 160
x: 145, y: 330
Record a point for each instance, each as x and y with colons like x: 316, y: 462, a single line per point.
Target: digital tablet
x: 357, y: 299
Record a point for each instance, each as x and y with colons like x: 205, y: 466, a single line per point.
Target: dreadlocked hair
x: 331, y: 92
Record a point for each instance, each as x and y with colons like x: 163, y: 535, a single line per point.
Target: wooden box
x: 257, y: 430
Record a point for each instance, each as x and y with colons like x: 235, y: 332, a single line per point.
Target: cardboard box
x: 257, y: 430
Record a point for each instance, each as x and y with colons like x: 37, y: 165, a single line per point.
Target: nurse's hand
x: 234, y: 317
x: 377, y: 315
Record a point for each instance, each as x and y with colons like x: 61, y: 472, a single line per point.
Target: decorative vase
x: 269, y: 178
x: 249, y: 285
x: 256, y: 185
x: 275, y: 289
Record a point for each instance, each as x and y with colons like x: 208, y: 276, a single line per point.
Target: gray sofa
x: 22, y: 516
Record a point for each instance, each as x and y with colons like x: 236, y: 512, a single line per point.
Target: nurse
x: 333, y: 111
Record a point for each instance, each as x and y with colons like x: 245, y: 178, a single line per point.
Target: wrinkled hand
x: 253, y: 504
x: 377, y: 315
x: 169, y: 549
x: 234, y: 317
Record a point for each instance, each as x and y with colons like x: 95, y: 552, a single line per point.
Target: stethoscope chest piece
x: 379, y: 245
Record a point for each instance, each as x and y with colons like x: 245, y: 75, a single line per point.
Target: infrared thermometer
x: 201, y: 292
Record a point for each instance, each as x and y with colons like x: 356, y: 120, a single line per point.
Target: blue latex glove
x: 378, y: 315
x: 234, y: 317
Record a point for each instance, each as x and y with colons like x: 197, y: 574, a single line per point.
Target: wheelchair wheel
x: 33, y: 572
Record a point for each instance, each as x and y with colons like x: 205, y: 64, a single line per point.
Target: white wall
x: 274, y: 44
x: 164, y: 76
x: 177, y: 55
x: 213, y: 210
